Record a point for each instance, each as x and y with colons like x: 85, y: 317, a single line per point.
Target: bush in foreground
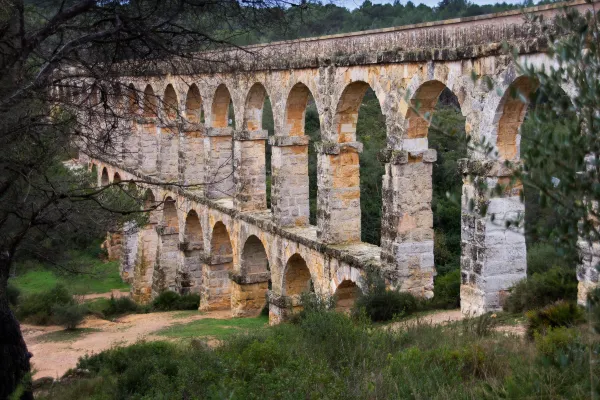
x: 69, y: 315
x: 37, y: 308
x: 555, y: 315
x: 328, y: 355
x: 542, y: 289
x: 170, y: 301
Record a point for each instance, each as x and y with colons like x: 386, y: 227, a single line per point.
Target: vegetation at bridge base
x: 330, y: 355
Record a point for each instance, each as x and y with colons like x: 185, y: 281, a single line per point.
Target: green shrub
x: 446, y: 290
x: 13, y: 294
x: 541, y: 289
x: 542, y: 257
x: 169, y: 301
x: 120, y: 306
x: 555, y: 340
x: 385, y: 305
x: 593, y: 305
x: 555, y: 315
x: 37, y: 308
x: 69, y: 315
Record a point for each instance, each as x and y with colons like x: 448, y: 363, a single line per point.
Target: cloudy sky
x: 352, y: 4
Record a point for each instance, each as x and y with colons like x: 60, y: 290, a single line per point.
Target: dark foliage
x: 38, y: 308
x: 561, y: 313
x: 169, y: 301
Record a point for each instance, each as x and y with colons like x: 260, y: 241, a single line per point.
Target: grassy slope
x: 216, y: 328
x: 94, y: 276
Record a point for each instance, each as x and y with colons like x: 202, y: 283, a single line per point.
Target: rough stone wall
x: 587, y: 272
x: 168, y: 160
x: 191, y: 157
x: 289, y: 180
x: 129, y: 251
x: 149, y: 150
x: 249, y: 170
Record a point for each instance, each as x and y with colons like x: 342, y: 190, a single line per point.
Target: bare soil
x: 54, y: 358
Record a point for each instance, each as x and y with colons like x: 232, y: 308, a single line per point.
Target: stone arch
x: 170, y: 219
x: 510, y: 115
x: 219, y: 116
x: 116, y: 178
x: 216, y: 292
x: 94, y: 97
x: 193, y: 234
x: 193, y: 105
x: 170, y: 103
x: 254, y: 107
x: 254, y: 258
x: 296, y: 278
x: 189, y: 273
x: 220, y: 242
x: 346, y: 114
x: 146, y: 252
x: 104, y: 179
x: 424, y: 101
x: 150, y: 103
x: 132, y: 102
x: 295, y: 109
x: 346, y: 294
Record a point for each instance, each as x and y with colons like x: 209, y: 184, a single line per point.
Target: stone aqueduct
x: 221, y: 240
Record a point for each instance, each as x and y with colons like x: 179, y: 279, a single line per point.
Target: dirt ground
x: 54, y: 358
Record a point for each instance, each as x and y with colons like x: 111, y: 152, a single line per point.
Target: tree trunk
x: 14, y: 356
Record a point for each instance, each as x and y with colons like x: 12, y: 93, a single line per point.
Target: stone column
x: 280, y: 307
x: 289, y: 180
x: 587, y: 272
x: 131, y: 144
x: 145, y: 263
x: 407, y: 222
x: 249, y: 171
x: 248, y: 294
x: 216, y: 287
x: 218, y: 156
x: 148, y: 154
x: 129, y: 250
x: 338, y: 177
x: 189, y: 272
x: 191, y: 157
x: 113, y: 245
x: 493, y: 257
x: 168, y: 162
x: 165, y: 273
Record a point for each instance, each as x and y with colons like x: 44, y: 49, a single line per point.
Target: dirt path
x: 54, y: 358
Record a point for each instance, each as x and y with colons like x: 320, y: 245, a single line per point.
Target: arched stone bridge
x: 221, y: 239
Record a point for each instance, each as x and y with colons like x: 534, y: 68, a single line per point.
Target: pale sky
x: 352, y: 4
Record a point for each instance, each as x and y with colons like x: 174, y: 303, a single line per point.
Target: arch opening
x: 345, y: 295
x: 170, y: 214
x: 435, y: 118
x: 222, y: 114
x: 254, y: 257
x: 170, y: 103
x: 150, y: 103
x: 104, y: 179
x: 132, y: 100
x: 359, y: 119
x: 189, y: 277
x: 116, y: 178
x: 216, y: 292
x: 193, y: 105
x: 193, y: 232
x: 297, y: 279
x: 302, y: 119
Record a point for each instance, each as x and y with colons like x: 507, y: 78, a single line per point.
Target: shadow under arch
x: 216, y: 292
x: 296, y: 280
x: 104, y: 179
x: 221, y: 108
x: 194, y: 112
x: 165, y: 274
x: 170, y: 103
x: 189, y: 277
x: 250, y: 286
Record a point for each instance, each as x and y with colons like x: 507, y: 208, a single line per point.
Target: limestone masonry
x: 213, y: 233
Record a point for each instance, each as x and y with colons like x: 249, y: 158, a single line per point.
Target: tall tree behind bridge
x: 57, y: 62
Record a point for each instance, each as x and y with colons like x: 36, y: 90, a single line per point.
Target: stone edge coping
x: 332, y: 148
x: 219, y: 131
x: 246, y: 135
x: 268, y: 225
x: 490, y: 168
x: 282, y: 141
x: 398, y: 157
x: 247, y: 279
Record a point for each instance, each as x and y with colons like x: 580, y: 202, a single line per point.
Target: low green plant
x: 37, y: 308
x: 446, y: 291
x: 480, y: 326
x: 69, y: 315
x: 555, y: 340
x: 13, y: 294
x: 120, y: 306
x: 542, y: 289
x: 555, y: 315
x: 593, y: 308
x: 171, y: 301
